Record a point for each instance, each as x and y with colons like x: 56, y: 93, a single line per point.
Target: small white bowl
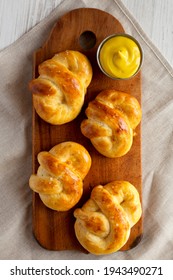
x: 118, y: 35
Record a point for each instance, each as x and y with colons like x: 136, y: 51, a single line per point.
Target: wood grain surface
x: 55, y: 230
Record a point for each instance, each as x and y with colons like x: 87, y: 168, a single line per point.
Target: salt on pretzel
x: 59, y: 179
x: 59, y: 90
x: 104, y: 222
x: 111, y: 120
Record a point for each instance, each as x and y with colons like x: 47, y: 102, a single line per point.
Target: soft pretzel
x: 59, y: 179
x: 112, y: 117
x: 59, y: 91
x: 104, y: 222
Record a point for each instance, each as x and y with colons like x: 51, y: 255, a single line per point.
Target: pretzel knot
x: 112, y: 117
x: 104, y: 222
x: 59, y: 179
x: 59, y: 91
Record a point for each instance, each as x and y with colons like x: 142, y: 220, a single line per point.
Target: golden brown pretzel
x: 104, y: 222
x: 59, y: 91
x: 112, y: 117
x: 59, y: 179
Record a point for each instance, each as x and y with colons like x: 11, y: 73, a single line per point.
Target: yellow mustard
x: 120, y: 57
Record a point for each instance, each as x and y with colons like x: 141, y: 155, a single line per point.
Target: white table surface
x: 154, y: 16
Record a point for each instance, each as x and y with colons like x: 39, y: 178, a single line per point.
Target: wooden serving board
x: 55, y: 230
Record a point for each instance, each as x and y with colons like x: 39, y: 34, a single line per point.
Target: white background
x: 102, y: 269
x: 154, y: 16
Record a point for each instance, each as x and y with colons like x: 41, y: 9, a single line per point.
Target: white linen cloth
x: 16, y: 238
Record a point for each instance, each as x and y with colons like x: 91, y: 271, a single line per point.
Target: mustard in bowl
x: 120, y: 56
